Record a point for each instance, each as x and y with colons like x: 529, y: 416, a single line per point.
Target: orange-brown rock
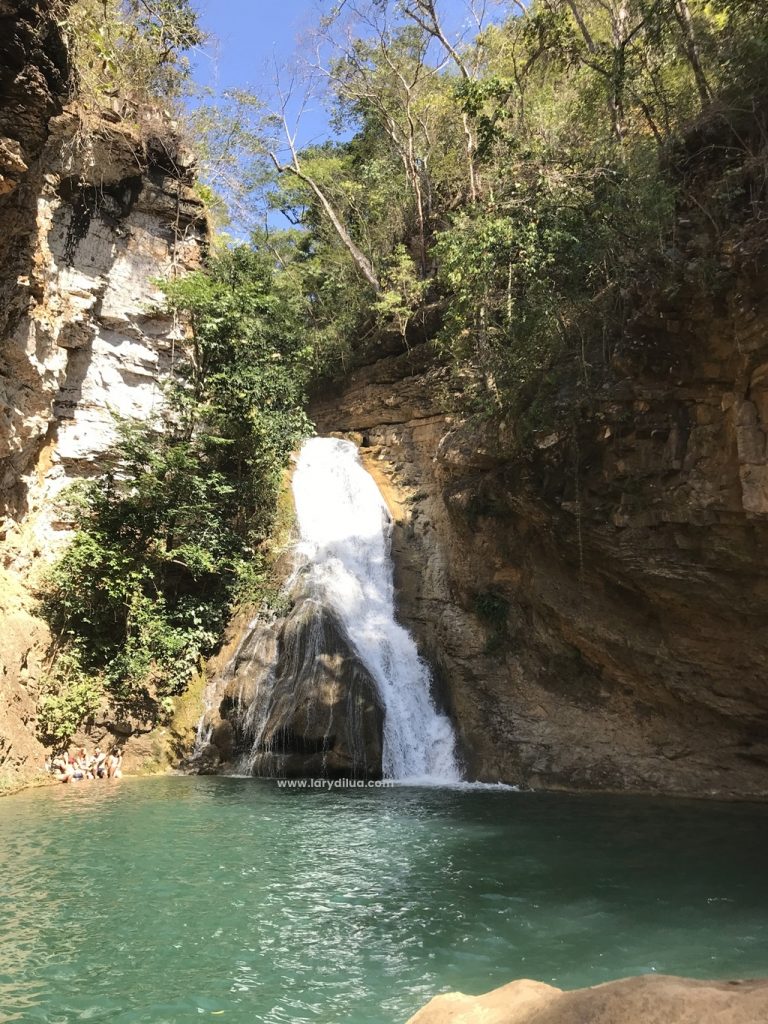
x: 593, y: 596
x: 649, y: 999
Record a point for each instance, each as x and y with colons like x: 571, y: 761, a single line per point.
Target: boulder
x: 291, y: 698
x: 323, y: 716
x: 648, y: 999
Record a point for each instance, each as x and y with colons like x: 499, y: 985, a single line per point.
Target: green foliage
x: 736, y: 47
x: 528, y: 179
x: 69, y: 697
x: 402, y: 293
x: 336, y: 303
x: 172, y: 535
x: 132, y: 52
x: 528, y: 277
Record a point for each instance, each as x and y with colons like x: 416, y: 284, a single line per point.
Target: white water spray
x: 345, y: 533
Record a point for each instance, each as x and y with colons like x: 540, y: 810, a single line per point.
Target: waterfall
x: 344, y: 559
x: 335, y: 686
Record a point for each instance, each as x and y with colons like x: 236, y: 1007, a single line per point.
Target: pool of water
x: 183, y: 899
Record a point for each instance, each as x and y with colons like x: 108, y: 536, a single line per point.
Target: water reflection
x: 164, y: 899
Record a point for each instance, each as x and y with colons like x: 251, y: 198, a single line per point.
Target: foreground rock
x: 649, y: 999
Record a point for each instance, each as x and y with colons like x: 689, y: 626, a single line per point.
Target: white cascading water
x: 345, y: 532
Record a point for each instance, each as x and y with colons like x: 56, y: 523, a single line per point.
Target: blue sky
x: 250, y: 35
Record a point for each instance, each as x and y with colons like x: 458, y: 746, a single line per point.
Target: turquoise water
x: 189, y: 899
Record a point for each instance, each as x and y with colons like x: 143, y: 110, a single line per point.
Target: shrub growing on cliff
x: 69, y: 695
x: 131, y: 52
x: 166, y: 538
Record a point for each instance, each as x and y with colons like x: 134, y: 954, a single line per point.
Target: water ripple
x: 180, y: 900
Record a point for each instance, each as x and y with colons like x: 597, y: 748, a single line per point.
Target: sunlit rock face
x: 593, y: 598
x: 650, y: 999
x: 85, y: 336
x: 93, y: 210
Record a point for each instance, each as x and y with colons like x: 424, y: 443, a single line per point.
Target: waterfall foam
x: 344, y: 558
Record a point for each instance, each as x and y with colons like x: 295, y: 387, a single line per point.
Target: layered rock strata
x: 94, y: 209
x: 594, y: 600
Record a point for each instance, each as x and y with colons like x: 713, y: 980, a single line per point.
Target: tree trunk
x: 683, y: 15
x: 362, y: 262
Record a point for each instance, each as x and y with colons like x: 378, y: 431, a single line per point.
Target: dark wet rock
x: 299, y: 702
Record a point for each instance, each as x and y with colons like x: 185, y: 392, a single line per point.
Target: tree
x: 166, y: 538
x: 691, y: 45
x: 132, y: 53
x: 294, y: 167
x: 382, y: 78
x: 425, y: 14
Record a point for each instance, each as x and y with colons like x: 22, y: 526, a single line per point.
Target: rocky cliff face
x: 93, y: 210
x: 594, y: 603
x: 84, y: 338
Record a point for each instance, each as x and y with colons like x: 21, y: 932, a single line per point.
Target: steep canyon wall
x: 94, y: 209
x: 595, y: 602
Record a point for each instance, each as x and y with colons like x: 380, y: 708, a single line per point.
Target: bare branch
x: 294, y: 168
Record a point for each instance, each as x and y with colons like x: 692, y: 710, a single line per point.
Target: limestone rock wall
x: 595, y: 603
x: 93, y: 211
x: 85, y: 337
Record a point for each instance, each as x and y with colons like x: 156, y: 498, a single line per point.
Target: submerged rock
x: 649, y: 999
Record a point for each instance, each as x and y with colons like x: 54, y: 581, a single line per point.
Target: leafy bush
x: 402, y: 293
x: 551, y: 263
x: 174, y: 533
x: 69, y: 697
x: 131, y: 51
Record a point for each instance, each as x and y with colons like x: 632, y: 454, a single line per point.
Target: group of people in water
x: 82, y: 765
